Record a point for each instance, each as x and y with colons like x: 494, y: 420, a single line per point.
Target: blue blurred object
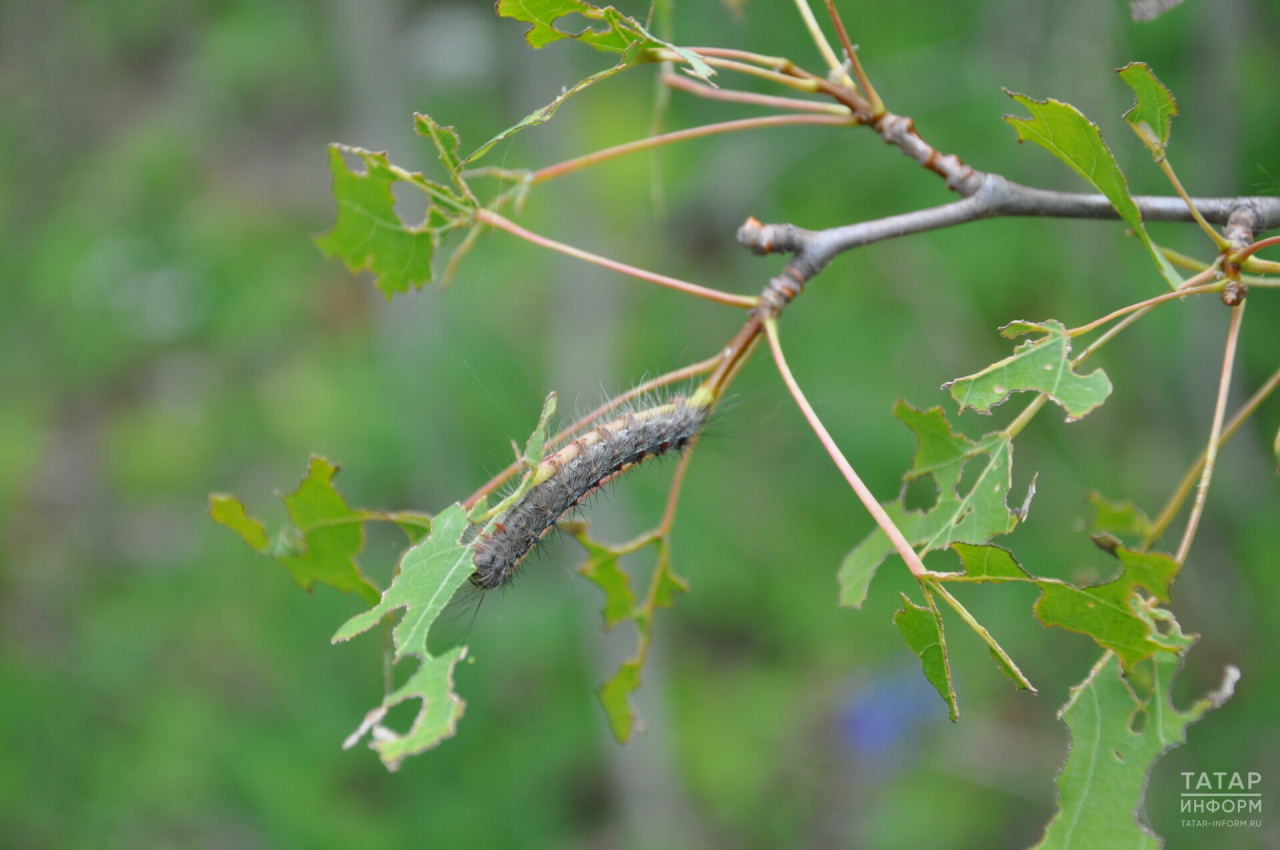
x: 874, y: 720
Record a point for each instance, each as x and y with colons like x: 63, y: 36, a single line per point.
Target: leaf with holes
x: 429, y: 574
x: 1123, y: 519
x: 1039, y: 365
x: 619, y: 35
x: 1113, y: 613
x: 368, y: 235
x: 1116, y: 738
x: 603, y: 570
x: 326, y: 535
x: 1063, y: 131
x: 972, y: 517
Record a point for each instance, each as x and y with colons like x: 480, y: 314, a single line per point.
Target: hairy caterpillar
x: 576, y: 471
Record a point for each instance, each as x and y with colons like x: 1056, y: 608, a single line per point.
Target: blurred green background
x: 168, y: 329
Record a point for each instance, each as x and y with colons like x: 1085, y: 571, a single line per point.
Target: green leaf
x: 429, y: 574
x: 972, y: 517
x: 535, y: 448
x: 446, y: 142
x: 368, y: 235
x: 325, y: 536
x: 1124, y: 519
x: 922, y: 629
x: 1152, y: 115
x: 1104, y: 779
x: 603, y: 570
x: 227, y: 510
x: 619, y: 33
x: 1113, y: 613
x: 542, y: 114
x: 1063, y: 131
x: 1041, y: 365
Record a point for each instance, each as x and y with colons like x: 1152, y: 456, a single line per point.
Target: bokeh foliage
x: 170, y: 330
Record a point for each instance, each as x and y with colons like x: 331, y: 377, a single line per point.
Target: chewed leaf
x: 1123, y: 519
x: 536, y: 446
x: 972, y: 517
x: 1104, y: 779
x: 1152, y: 115
x: 618, y: 33
x: 326, y: 535
x: 1114, y: 613
x: 429, y: 574
x: 603, y: 570
x: 369, y: 235
x: 227, y: 510
x: 1042, y: 365
x: 922, y: 629
x: 1063, y: 131
x: 446, y: 142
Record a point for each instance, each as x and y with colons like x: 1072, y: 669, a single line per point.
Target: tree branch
x: 995, y: 197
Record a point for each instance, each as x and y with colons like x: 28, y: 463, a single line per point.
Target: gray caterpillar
x: 576, y: 471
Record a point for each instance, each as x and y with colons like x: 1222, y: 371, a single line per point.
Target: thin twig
x: 797, y: 82
x: 1195, y: 288
x: 744, y: 301
x: 1215, y: 433
x: 868, y: 90
x: 673, y: 495
x: 981, y: 631
x: 1240, y: 256
x: 562, y: 168
x: 677, y: 81
x: 820, y: 40
x: 1217, y: 237
x: 868, y: 500
x: 1180, y: 493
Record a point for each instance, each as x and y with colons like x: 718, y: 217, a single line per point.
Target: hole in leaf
x: 1119, y: 757
x: 1139, y: 722
x: 920, y: 494
x: 411, y: 204
x: 973, y: 470
x: 1164, y: 627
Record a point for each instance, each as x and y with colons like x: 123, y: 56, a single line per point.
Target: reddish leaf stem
x: 562, y: 168
x: 864, y: 494
x: 490, y: 217
x: 676, y: 81
x: 1215, y: 433
x: 1193, y: 286
x: 1240, y: 256
x: 1180, y: 493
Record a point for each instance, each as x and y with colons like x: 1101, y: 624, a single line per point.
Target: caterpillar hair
x: 576, y: 471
